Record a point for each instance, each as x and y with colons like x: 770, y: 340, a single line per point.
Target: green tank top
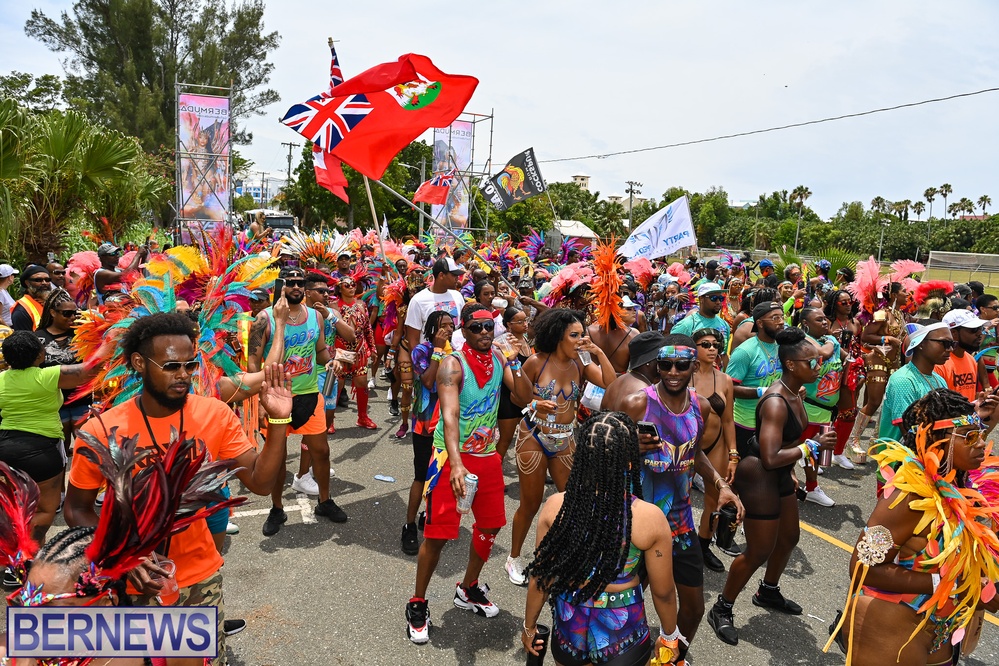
x: 477, y: 410
x: 299, y: 352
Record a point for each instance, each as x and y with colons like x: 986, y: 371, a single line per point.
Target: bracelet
x: 733, y: 456
x: 882, y: 340
x: 760, y: 391
x: 514, y: 365
x: 528, y: 631
x: 720, y: 483
x: 436, y: 356
x: 334, y: 319
x: 278, y: 421
x: 438, y: 350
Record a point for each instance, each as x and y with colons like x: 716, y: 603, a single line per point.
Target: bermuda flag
x: 329, y: 170
x: 379, y: 112
x: 435, y: 190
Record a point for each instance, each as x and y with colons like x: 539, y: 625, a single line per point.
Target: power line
x: 774, y: 129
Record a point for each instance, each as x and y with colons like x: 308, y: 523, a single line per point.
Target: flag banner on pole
x: 435, y: 190
x: 453, y: 150
x: 520, y: 180
x: 666, y: 231
x: 329, y: 170
x: 372, y: 116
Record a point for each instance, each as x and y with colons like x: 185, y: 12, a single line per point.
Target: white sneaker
x: 821, y: 471
x: 698, y: 482
x: 515, y: 570
x: 231, y: 528
x: 817, y: 496
x: 332, y: 473
x: 305, y: 484
x: 843, y: 461
x: 371, y: 384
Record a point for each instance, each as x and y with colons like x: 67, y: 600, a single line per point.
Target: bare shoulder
x: 449, y: 373
x: 648, y: 524
x: 551, y: 508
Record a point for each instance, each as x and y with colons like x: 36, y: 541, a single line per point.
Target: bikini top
x: 548, y: 392
x: 715, y: 400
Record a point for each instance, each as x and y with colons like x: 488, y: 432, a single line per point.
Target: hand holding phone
x: 278, y: 290
x: 648, y: 437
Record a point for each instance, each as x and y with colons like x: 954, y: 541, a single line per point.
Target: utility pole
x: 291, y: 146
x: 632, y: 190
x: 262, y: 174
x: 423, y: 178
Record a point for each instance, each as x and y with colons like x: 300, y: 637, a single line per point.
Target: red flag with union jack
x: 329, y: 170
x: 377, y: 113
x: 435, y: 190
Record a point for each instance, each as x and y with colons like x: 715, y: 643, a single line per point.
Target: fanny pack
x: 302, y: 409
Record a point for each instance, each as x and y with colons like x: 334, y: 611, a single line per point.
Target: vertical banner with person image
x: 203, y: 157
x: 453, y: 150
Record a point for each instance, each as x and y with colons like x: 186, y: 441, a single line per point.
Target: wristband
x: 436, y: 356
x: 438, y: 350
x: 514, y: 365
x: 278, y: 421
x: 882, y: 341
x: 333, y: 319
x: 936, y: 582
x: 760, y: 391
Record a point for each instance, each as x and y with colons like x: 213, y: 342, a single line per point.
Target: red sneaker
x: 402, y: 431
x: 365, y: 422
x: 331, y: 430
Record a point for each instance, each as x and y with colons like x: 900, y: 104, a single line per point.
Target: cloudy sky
x: 586, y: 77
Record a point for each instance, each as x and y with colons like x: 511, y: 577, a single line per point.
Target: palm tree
x: 954, y: 209
x: 945, y: 190
x: 967, y: 206
x: 879, y: 204
x: 984, y: 201
x: 609, y: 218
x: 896, y: 208
x: 905, y: 204
x: 930, y: 194
x: 918, y: 208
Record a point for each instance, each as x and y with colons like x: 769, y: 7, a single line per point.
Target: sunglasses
x: 294, y: 283
x: 681, y: 366
x: 173, y: 366
x: 812, y: 362
x: 68, y: 313
x: 58, y: 272
x: 479, y: 326
x: 709, y: 345
x: 946, y: 344
x: 40, y: 279
x: 321, y: 291
x: 973, y: 439
x: 718, y: 298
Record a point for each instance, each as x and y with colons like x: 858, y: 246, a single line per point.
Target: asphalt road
x: 321, y: 593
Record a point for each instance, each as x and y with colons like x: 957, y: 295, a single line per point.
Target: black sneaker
x: 767, y: 597
x: 474, y: 599
x: 721, y: 620
x: 9, y: 579
x: 418, y: 621
x: 275, y: 519
x: 343, y: 400
x: 394, y: 407
x: 410, y: 542
x: 840, y: 639
x: 712, y: 562
x: 230, y: 627
x: 329, y: 509
x: 734, y: 550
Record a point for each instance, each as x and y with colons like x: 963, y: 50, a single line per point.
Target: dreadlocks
x: 587, y: 545
x: 433, y: 324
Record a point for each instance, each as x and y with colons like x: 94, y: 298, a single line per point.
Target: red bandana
x: 481, y: 364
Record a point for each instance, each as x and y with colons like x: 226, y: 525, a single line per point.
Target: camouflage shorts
x: 206, y: 593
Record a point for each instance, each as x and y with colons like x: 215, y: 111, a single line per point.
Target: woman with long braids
x: 883, y: 338
x: 593, y: 540
x: 928, y: 558
x: 841, y: 311
x: 55, y: 330
x: 354, y: 356
x: 718, y: 438
x: 545, y: 438
x: 733, y: 303
x: 766, y: 485
x: 510, y: 414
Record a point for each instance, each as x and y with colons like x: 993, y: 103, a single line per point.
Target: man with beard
x: 670, y: 460
x: 303, y: 351
x: 36, y: 283
x: 644, y: 352
x: 754, y: 367
x: 960, y: 370
x: 160, y: 348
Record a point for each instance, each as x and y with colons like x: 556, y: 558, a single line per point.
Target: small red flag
x: 435, y: 190
x: 329, y: 173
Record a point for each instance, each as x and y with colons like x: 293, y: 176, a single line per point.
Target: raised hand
x: 275, y: 392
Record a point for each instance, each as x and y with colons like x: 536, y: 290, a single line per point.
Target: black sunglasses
x: 40, y: 279
x: 321, y: 291
x: 709, y: 345
x: 67, y: 313
x: 294, y: 283
x: 946, y: 344
x: 717, y: 298
x: 174, y: 366
x: 681, y: 366
x: 479, y: 326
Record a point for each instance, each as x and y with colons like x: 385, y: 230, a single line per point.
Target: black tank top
x: 792, y: 427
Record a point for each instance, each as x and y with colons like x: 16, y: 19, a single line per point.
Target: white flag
x: 665, y: 232
x: 385, y: 229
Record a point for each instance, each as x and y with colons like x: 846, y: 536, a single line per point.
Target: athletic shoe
x: 9, y: 579
x: 305, y: 484
x: 418, y: 621
x: 394, y: 407
x: 230, y: 627
x: 819, y: 497
x: 343, y: 400
x: 232, y: 528
x: 720, y: 619
x: 515, y: 570
x: 366, y: 423
x: 275, y: 519
x: 402, y: 431
x: 735, y: 550
x: 329, y: 509
x: 712, y: 562
x: 767, y: 597
x: 474, y: 599
x: 843, y: 461
x: 371, y: 383
x: 698, y: 482
x: 410, y: 541
x: 331, y: 430
x: 62, y: 500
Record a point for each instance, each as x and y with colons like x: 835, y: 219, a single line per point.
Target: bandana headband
x: 482, y: 314
x: 677, y: 352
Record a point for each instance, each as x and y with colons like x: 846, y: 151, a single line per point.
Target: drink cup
x: 507, y: 346
x: 585, y: 358
x: 170, y: 592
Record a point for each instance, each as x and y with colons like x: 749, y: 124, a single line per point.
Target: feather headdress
x: 568, y: 279
x: 932, y: 289
x: 606, y: 285
x: 18, y: 503
x: 532, y: 244
x: 641, y: 269
x: 867, y: 286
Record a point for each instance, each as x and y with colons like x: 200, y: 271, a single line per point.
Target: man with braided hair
x: 670, y: 460
x: 468, y: 384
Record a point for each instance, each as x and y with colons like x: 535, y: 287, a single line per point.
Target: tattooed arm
x: 259, y: 334
x: 71, y: 376
x: 449, y: 379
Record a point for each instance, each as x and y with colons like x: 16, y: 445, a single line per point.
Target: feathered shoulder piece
x: 532, y: 244
x: 641, y: 269
x: 867, y: 286
x: 18, y: 501
x: 679, y: 271
x: 315, y: 248
x: 607, y: 284
x: 80, y: 271
x: 932, y: 289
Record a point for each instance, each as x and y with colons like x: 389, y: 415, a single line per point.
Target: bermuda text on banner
x: 665, y: 232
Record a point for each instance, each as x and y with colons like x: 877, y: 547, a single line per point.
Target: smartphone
x: 801, y: 493
x: 278, y: 290
x: 647, y: 428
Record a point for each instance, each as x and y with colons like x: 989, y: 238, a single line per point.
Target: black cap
x: 33, y: 269
x: 711, y: 264
x: 763, y: 309
x: 259, y: 295
x: 645, y: 347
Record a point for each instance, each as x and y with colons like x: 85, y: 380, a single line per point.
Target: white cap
x: 963, y: 319
x: 6, y: 270
x: 627, y: 303
x: 709, y: 288
x: 452, y: 267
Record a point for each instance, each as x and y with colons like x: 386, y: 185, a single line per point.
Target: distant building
x: 974, y: 217
x: 626, y: 201
x: 582, y: 182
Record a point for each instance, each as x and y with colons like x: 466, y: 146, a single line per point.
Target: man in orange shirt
x: 961, y: 369
x: 160, y: 348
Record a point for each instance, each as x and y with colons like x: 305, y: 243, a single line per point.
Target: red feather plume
x: 18, y: 501
x: 933, y: 288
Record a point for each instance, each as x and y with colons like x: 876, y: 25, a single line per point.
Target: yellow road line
x: 828, y: 538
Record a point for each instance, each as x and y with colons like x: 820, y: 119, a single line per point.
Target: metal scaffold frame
x: 474, y: 175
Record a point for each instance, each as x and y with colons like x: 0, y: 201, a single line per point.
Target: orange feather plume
x: 607, y: 284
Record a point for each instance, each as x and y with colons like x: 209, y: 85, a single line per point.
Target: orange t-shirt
x: 207, y: 419
x: 961, y: 374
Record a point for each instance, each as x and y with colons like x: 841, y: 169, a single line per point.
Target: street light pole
x: 884, y: 225
x: 632, y: 191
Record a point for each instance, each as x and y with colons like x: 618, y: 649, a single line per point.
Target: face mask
x: 500, y: 303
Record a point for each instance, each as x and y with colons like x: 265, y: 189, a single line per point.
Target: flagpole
x: 444, y: 229
x: 378, y: 229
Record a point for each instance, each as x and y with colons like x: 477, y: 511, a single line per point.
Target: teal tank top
x: 478, y: 408
x: 299, y: 351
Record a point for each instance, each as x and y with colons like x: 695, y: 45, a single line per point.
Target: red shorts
x: 316, y: 424
x: 488, y: 506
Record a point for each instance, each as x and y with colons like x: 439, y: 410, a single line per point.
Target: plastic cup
x: 584, y: 357
x: 507, y: 346
x: 170, y: 592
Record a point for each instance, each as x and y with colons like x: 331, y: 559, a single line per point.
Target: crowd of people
x: 625, y: 384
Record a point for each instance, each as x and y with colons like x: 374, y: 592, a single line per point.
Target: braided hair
x: 764, y: 295
x: 56, y: 296
x: 832, y: 299
x: 67, y: 549
x: 588, y: 543
x: 936, y: 405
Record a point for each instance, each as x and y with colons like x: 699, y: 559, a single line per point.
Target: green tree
x: 609, y: 217
x: 37, y: 94
x: 983, y: 202
x: 573, y: 202
x: 124, y: 56
x: 945, y: 190
x: 918, y: 208
x: 930, y: 193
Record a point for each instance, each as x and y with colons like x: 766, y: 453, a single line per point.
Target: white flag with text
x: 665, y: 232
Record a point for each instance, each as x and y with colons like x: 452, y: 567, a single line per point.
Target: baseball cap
x: 627, y: 303
x: 763, y: 309
x: 259, y: 295
x: 918, y: 333
x: 709, y: 288
x: 645, y: 348
x: 766, y: 263
x: 6, y: 270
x: 711, y: 264
x: 107, y: 249
x: 963, y: 319
x: 344, y: 254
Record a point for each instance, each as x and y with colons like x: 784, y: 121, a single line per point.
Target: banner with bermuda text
x: 665, y: 232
